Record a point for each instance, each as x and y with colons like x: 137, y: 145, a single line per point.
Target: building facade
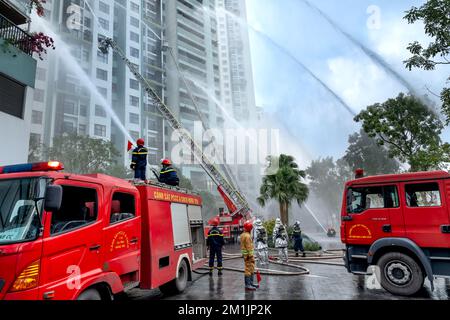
x: 17, y: 79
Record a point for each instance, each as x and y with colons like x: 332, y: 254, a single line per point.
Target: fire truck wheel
x: 400, y: 274
x: 90, y: 294
x: 179, y: 284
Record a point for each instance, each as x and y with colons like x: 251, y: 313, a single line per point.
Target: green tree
x: 435, y: 16
x: 364, y: 152
x: 82, y: 154
x: 327, y: 181
x: 285, y: 185
x: 409, y: 130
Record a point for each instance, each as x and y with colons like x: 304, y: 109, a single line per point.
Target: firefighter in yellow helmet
x: 247, y: 250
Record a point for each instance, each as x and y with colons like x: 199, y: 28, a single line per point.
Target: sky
x: 313, y: 120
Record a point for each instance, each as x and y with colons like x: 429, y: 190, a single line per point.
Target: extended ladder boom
x: 241, y: 204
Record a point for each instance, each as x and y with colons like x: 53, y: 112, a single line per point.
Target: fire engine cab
x: 399, y: 223
x: 67, y: 236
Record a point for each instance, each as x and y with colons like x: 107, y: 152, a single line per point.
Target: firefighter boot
x: 296, y: 254
x: 220, y: 272
x: 303, y: 254
x: 211, y: 271
x: 248, y: 285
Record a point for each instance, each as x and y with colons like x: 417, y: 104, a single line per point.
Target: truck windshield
x: 21, y: 202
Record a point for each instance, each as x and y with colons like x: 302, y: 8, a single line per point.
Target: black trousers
x: 215, y: 252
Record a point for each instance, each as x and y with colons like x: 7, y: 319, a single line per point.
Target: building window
x: 134, y: 36
x: 102, y: 74
x: 39, y: 95
x: 134, y: 52
x: 134, y: 22
x: 134, y: 7
x: 103, y: 92
x: 82, y: 129
x: 103, y: 7
x: 41, y: 74
x: 134, y: 118
x: 104, y: 23
x: 134, y: 101
x: 134, y: 84
x: 102, y: 57
x: 69, y: 107
x: 68, y: 127
x: 100, y: 130
x: 135, y: 135
x: 12, y: 97
x: 83, y: 110
x: 100, y: 111
x: 36, y: 117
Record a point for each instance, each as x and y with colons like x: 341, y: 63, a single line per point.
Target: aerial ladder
x: 234, y: 200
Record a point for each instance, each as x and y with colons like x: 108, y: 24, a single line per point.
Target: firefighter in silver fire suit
x: 281, y: 240
x: 260, y: 238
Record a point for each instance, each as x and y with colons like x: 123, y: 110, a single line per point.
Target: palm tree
x: 284, y: 185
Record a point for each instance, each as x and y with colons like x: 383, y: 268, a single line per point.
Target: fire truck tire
x: 90, y: 294
x: 179, y: 284
x: 400, y: 274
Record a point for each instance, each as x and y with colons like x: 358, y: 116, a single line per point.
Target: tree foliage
x: 435, y: 16
x: 409, y: 130
x: 364, y: 152
x: 83, y: 154
x: 284, y: 186
x: 327, y: 181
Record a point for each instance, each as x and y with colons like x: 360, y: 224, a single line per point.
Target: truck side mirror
x: 53, y: 198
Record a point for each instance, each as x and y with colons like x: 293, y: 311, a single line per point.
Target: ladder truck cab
x: 230, y: 225
x: 65, y: 236
x: 400, y: 224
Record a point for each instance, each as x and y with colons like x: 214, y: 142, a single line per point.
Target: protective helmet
x: 140, y: 142
x: 258, y: 223
x: 248, y: 226
x: 166, y: 162
x: 297, y: 223
x: 215, y: 222
x: 278, y: 221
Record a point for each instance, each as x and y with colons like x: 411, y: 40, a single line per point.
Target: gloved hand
x: 132, y: 166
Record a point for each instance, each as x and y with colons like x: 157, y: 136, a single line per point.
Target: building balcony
x: 16, y: 59
x: 15, y: 11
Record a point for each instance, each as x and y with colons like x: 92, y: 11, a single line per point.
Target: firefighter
x: 280, y: 239
x: 215, y: 243
x: 247, y: 251
x: 298, y: 240
x: 260, y: 236
x: 139, y: 160
x: 168, y: 174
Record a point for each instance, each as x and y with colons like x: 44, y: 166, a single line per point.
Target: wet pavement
x: 325, y: 282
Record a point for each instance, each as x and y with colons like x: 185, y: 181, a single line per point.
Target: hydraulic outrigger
x: 234, y: 200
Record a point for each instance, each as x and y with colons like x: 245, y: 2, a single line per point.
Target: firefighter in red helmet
x: 247, y: 251
x: 139, y: 160
x: 168, y: 174
x: 215, y: 243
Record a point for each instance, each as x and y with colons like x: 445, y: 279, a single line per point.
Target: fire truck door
x: 72, y: 241
x: 122, y: 236
x: 367, y: 213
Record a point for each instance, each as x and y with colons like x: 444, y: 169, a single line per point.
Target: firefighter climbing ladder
x: 235, y: 196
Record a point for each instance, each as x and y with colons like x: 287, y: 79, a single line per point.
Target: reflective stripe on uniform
x: 214, y: 235
x: 171, y: 170
x: 139, y: 153
x: 247, y: 252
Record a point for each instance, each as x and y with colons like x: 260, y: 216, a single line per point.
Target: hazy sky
x: 313, y: 116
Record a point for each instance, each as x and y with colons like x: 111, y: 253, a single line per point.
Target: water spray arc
x: 376, y: 58
x: 285, y: 52
x: 64, y: 53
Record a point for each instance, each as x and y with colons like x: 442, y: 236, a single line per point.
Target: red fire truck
x: 401, y: 224
x: 67, y: 236
x: 230, y: 225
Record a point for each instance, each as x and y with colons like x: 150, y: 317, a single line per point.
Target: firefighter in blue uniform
x: 168, y: 174
x: 139, y: 160
x: 215, y: 243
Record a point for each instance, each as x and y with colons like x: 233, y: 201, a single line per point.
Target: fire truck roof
x: 402, y: 177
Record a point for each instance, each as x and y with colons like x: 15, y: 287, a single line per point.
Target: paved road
x: 324, y: 283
